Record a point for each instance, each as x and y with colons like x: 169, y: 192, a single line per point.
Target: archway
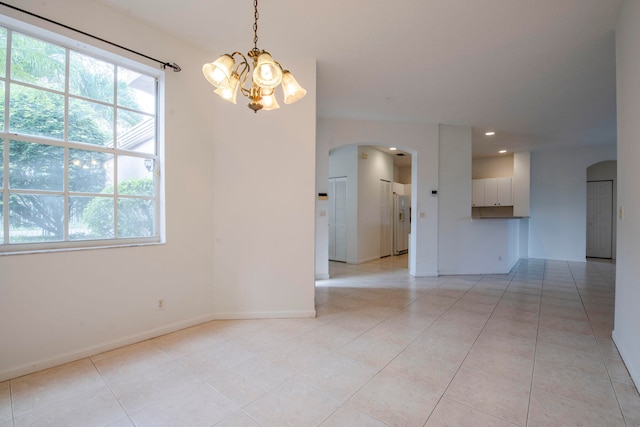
x: 601, y: 210
x: 421, y: 141
x: 369, y: 202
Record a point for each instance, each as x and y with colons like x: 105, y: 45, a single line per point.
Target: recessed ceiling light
x: 490, y: 133
x: 502, y: 151
x: 392, y: 148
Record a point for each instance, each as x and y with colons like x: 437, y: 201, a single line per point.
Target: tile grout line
x: 535, y: 352
x: 412, y: 341
x: 13, y: 415
x: 106, y: 383
x: 471, y: 347
x: 606, y: 367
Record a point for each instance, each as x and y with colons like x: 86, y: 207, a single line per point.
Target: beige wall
x: 492, y: 167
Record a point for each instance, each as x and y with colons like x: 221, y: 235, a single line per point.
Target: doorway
x: 599, y: 219
x: 601, y: 224
x: 362, y: 181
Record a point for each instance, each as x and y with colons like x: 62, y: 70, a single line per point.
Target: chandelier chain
x: 255, y: 24
x: 231, y: 73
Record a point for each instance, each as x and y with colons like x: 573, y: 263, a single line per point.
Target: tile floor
x: 532, y: 348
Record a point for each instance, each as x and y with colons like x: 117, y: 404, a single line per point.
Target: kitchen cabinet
x: 492, y: 192
x: 477, y: 193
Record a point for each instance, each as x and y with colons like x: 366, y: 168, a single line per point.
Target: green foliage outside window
x: 39, y: 210
x: 135, y: 216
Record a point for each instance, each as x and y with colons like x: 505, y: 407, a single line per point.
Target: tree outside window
x: 80, y: 149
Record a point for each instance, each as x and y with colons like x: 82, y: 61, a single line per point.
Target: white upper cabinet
x: 505, y: 197
x: 477, y: 194
x: 492, y: 192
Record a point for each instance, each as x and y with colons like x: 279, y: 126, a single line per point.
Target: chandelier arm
x: 244, y: 75
x: 240, y: 63
x: 242, y: 71
x: 245, y: 68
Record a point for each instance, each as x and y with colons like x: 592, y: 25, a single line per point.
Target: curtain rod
x: 175, y: 67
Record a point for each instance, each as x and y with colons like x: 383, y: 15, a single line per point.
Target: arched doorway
x: 601, y: 210
x: 369, y: 202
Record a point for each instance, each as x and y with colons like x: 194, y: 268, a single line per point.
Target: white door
x: 338, y: 219
x: 386, y: 229
x: 599, y: 218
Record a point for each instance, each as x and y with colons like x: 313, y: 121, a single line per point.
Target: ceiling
x: 540, y: 73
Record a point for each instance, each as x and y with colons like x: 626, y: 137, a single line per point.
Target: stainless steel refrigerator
x: 401, y: 223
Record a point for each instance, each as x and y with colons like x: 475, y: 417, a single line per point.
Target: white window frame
x: 73, y: 44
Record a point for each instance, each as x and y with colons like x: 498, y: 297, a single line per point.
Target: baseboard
x: 100, y: 348
x: 366, y: 260
x: 247, y: 315
x: 425, y: 273
x: 633, y: 370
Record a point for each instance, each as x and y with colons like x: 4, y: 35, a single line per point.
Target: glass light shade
x: 269, y: 102
x: 219, y: 71
x: 267, y: 74
x: 230, y: 91
x: 293, y: 92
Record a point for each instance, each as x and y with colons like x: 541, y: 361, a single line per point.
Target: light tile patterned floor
x: 532, y: 348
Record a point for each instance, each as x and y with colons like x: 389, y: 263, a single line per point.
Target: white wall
x: 467, y: 246
x: 421, y: 140
x: 343, y: 162
x: 55, y: 307
x: 371, y: 170
x: 627, y: 315
x: 322, y: 228
x: 223, y: 219
x: 264, y: 207
x: 364, y: 167
x: 322, y: 240
x: 559, y: 201
x: 521, y: 187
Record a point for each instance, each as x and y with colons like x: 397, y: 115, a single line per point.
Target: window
x: 78, y: 146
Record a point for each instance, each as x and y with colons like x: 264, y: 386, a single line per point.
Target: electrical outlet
x: 160, y: 304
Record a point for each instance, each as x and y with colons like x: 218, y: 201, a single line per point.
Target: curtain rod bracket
x: 175, y: 67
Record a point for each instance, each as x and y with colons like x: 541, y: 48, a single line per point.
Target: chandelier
x: 229, y: 73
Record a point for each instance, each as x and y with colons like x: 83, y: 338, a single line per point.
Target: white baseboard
x: 265, y: 315
x: 425, y: 273
x: 100, y: 348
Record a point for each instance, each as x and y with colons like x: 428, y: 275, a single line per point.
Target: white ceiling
x: 538, y: 72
